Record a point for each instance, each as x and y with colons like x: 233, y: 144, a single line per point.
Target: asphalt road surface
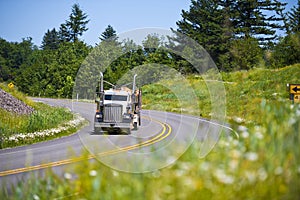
x: 162, y: 138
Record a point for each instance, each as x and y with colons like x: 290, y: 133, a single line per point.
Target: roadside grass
x: 19, y: 130
x: 262, y: 164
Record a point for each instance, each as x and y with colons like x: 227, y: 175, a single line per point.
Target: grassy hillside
x: 262, y: 164
x: 19, y: 129
x: 245, y: 91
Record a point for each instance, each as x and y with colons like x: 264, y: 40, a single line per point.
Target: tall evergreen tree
x: 50, y: 40
x: 109, y: 33
x: 75, y: 26
x: 204, y: 23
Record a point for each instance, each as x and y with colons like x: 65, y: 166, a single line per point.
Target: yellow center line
x: 156, y: 139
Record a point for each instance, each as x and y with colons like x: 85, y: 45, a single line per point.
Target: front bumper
x: 111, y: 125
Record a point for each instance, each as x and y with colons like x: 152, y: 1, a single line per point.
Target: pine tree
x: 50, y: 40
x: 109, y: 33
x: 75, y: 26
x: 204, y: 23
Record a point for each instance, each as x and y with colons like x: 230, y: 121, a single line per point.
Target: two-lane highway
x: 161, y: 139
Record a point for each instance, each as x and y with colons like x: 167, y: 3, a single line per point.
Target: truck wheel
x: 135, y: 126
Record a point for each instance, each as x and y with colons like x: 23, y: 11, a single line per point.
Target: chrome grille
x: 113, y: 113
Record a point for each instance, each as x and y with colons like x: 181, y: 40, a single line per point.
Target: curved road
x: 162, y: 135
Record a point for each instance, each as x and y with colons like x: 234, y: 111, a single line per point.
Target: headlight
x: 126, y: 116
x: 98, y: 116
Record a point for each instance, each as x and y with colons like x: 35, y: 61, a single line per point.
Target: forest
x: 238, y: 35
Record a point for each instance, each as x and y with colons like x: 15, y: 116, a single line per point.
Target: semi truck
x: 118, y: 110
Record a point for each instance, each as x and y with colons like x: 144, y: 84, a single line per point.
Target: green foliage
x: 50, y: 40
x: 109, y: 33
x: 222, y: 26
x: 245, y: 54
x: 75, y: 26
x: 287, y: 51
x: 294, y: 19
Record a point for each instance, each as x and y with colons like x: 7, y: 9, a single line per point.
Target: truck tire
x: 135, y: 126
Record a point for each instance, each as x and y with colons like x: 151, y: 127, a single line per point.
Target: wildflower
x: 278, y: 170
x: 93, y: 173
x: 233, y: 164
x: 68, y: 176
x: 223, y: 177
x: 242, y: 128
x: 250, y: 176
x: 238, y: 119
x: 115, y: 173
x: 205, y: 166
x: 235, y: 154
x: 235, y: 142
x: 223, y: 143
x: 36, y: 197
x: 297, y: 112
x: 179, y: 172
x: 251, y: 156
x: 292, y: 121
x: 259, y: 135
x: 262, y: 174
x: 245, y: 134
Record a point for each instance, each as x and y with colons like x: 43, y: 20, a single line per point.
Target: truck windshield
x: 115, y: 97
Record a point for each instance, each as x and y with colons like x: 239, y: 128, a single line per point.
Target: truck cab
x: 118, y: 110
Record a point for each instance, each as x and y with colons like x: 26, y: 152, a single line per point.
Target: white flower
x: 68, y: 176
x: 278, y: 170
x: 205, y: 166
x: 259, y: 135
x: 36, y: 197
x: 223, y: 177
x: 115, y: 173
x: 93, y: 173
x: 251, y: 156
x: 238, y: 119
x: 251, y: 177
x: 179, y: 172
x: 297, y: 112
x: 242, y: 128
x: 233, y: 164
x: 292, y: 121
x: 262, y: 174
x: 245, y: 134
x: 235, y: 154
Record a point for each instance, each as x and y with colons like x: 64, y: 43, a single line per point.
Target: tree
x: 294, y: 18
x: 50, y: 40
x: 109, y: 33
x: 251, y: 20
x: 203, y: 23
x: 75, y: 26
x: 287, y: 51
